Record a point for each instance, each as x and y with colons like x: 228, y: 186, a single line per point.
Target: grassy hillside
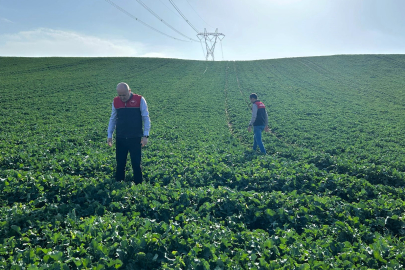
x: 329, y: 194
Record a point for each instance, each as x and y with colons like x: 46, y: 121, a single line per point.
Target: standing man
x: 129, y: 114
x: 259, y: 122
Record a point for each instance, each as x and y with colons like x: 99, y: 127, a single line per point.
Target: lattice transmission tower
x: 210, y: 41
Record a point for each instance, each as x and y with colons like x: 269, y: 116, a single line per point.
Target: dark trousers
x: 133, y: 146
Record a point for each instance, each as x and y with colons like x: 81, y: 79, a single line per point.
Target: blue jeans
x: 257, y: 131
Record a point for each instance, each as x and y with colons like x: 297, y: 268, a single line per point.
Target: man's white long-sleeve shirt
x: 144, y: 114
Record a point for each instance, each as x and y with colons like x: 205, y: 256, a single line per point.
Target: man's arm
x: 145, y: 117
x: 111, y: 125
x: 254, y: 114
x: 145, y: 120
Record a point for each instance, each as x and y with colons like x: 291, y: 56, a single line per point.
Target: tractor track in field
x: 228, y: 118
x: 237, y: 79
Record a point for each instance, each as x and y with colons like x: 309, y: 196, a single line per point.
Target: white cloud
x: 5, y: 20
x: 45, y: 42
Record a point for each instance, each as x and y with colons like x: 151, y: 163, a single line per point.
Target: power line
x: 202, y: 48
x: 220, y: 41
x: 184, y: 17
x: 160, y: 19
x: 198, y: 14
x: 133, y: 17
x: 171, y: 10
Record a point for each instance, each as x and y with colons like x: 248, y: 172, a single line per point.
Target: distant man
x: 129, y: 114
x: 259, y: 122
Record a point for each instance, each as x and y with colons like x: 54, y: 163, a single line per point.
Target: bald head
x: 123, y: 86
x: 123, y: 91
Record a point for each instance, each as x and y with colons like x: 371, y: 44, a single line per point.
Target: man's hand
x: 144, y: 141
x: 267, y: 129
x: 109, y: 141
x: 249, y: 128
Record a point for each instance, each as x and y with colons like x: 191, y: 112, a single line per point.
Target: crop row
x: 107, y: 218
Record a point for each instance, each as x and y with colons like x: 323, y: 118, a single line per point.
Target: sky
x: 253, y: 29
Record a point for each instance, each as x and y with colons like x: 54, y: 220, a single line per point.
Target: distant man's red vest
x: 261, y: 114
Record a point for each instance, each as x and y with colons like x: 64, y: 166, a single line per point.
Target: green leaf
x: 377, y: 255
x: 56, y: 255
x: 16, y: 228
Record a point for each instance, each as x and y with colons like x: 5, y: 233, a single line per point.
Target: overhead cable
x: 168, y: 8
x: 160, y: 19
x: 198, y: 14
x: 202, y: 48
x: 133, y: 17
x: 220, y: 41
x: 184, y: 17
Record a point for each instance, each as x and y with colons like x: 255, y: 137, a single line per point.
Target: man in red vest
x: 130, y: 117
x: 259, y: 122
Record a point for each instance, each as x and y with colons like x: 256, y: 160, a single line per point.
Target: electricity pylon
x: 210, y: 41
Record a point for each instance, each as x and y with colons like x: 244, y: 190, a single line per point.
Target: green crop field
x: 328, y: 195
